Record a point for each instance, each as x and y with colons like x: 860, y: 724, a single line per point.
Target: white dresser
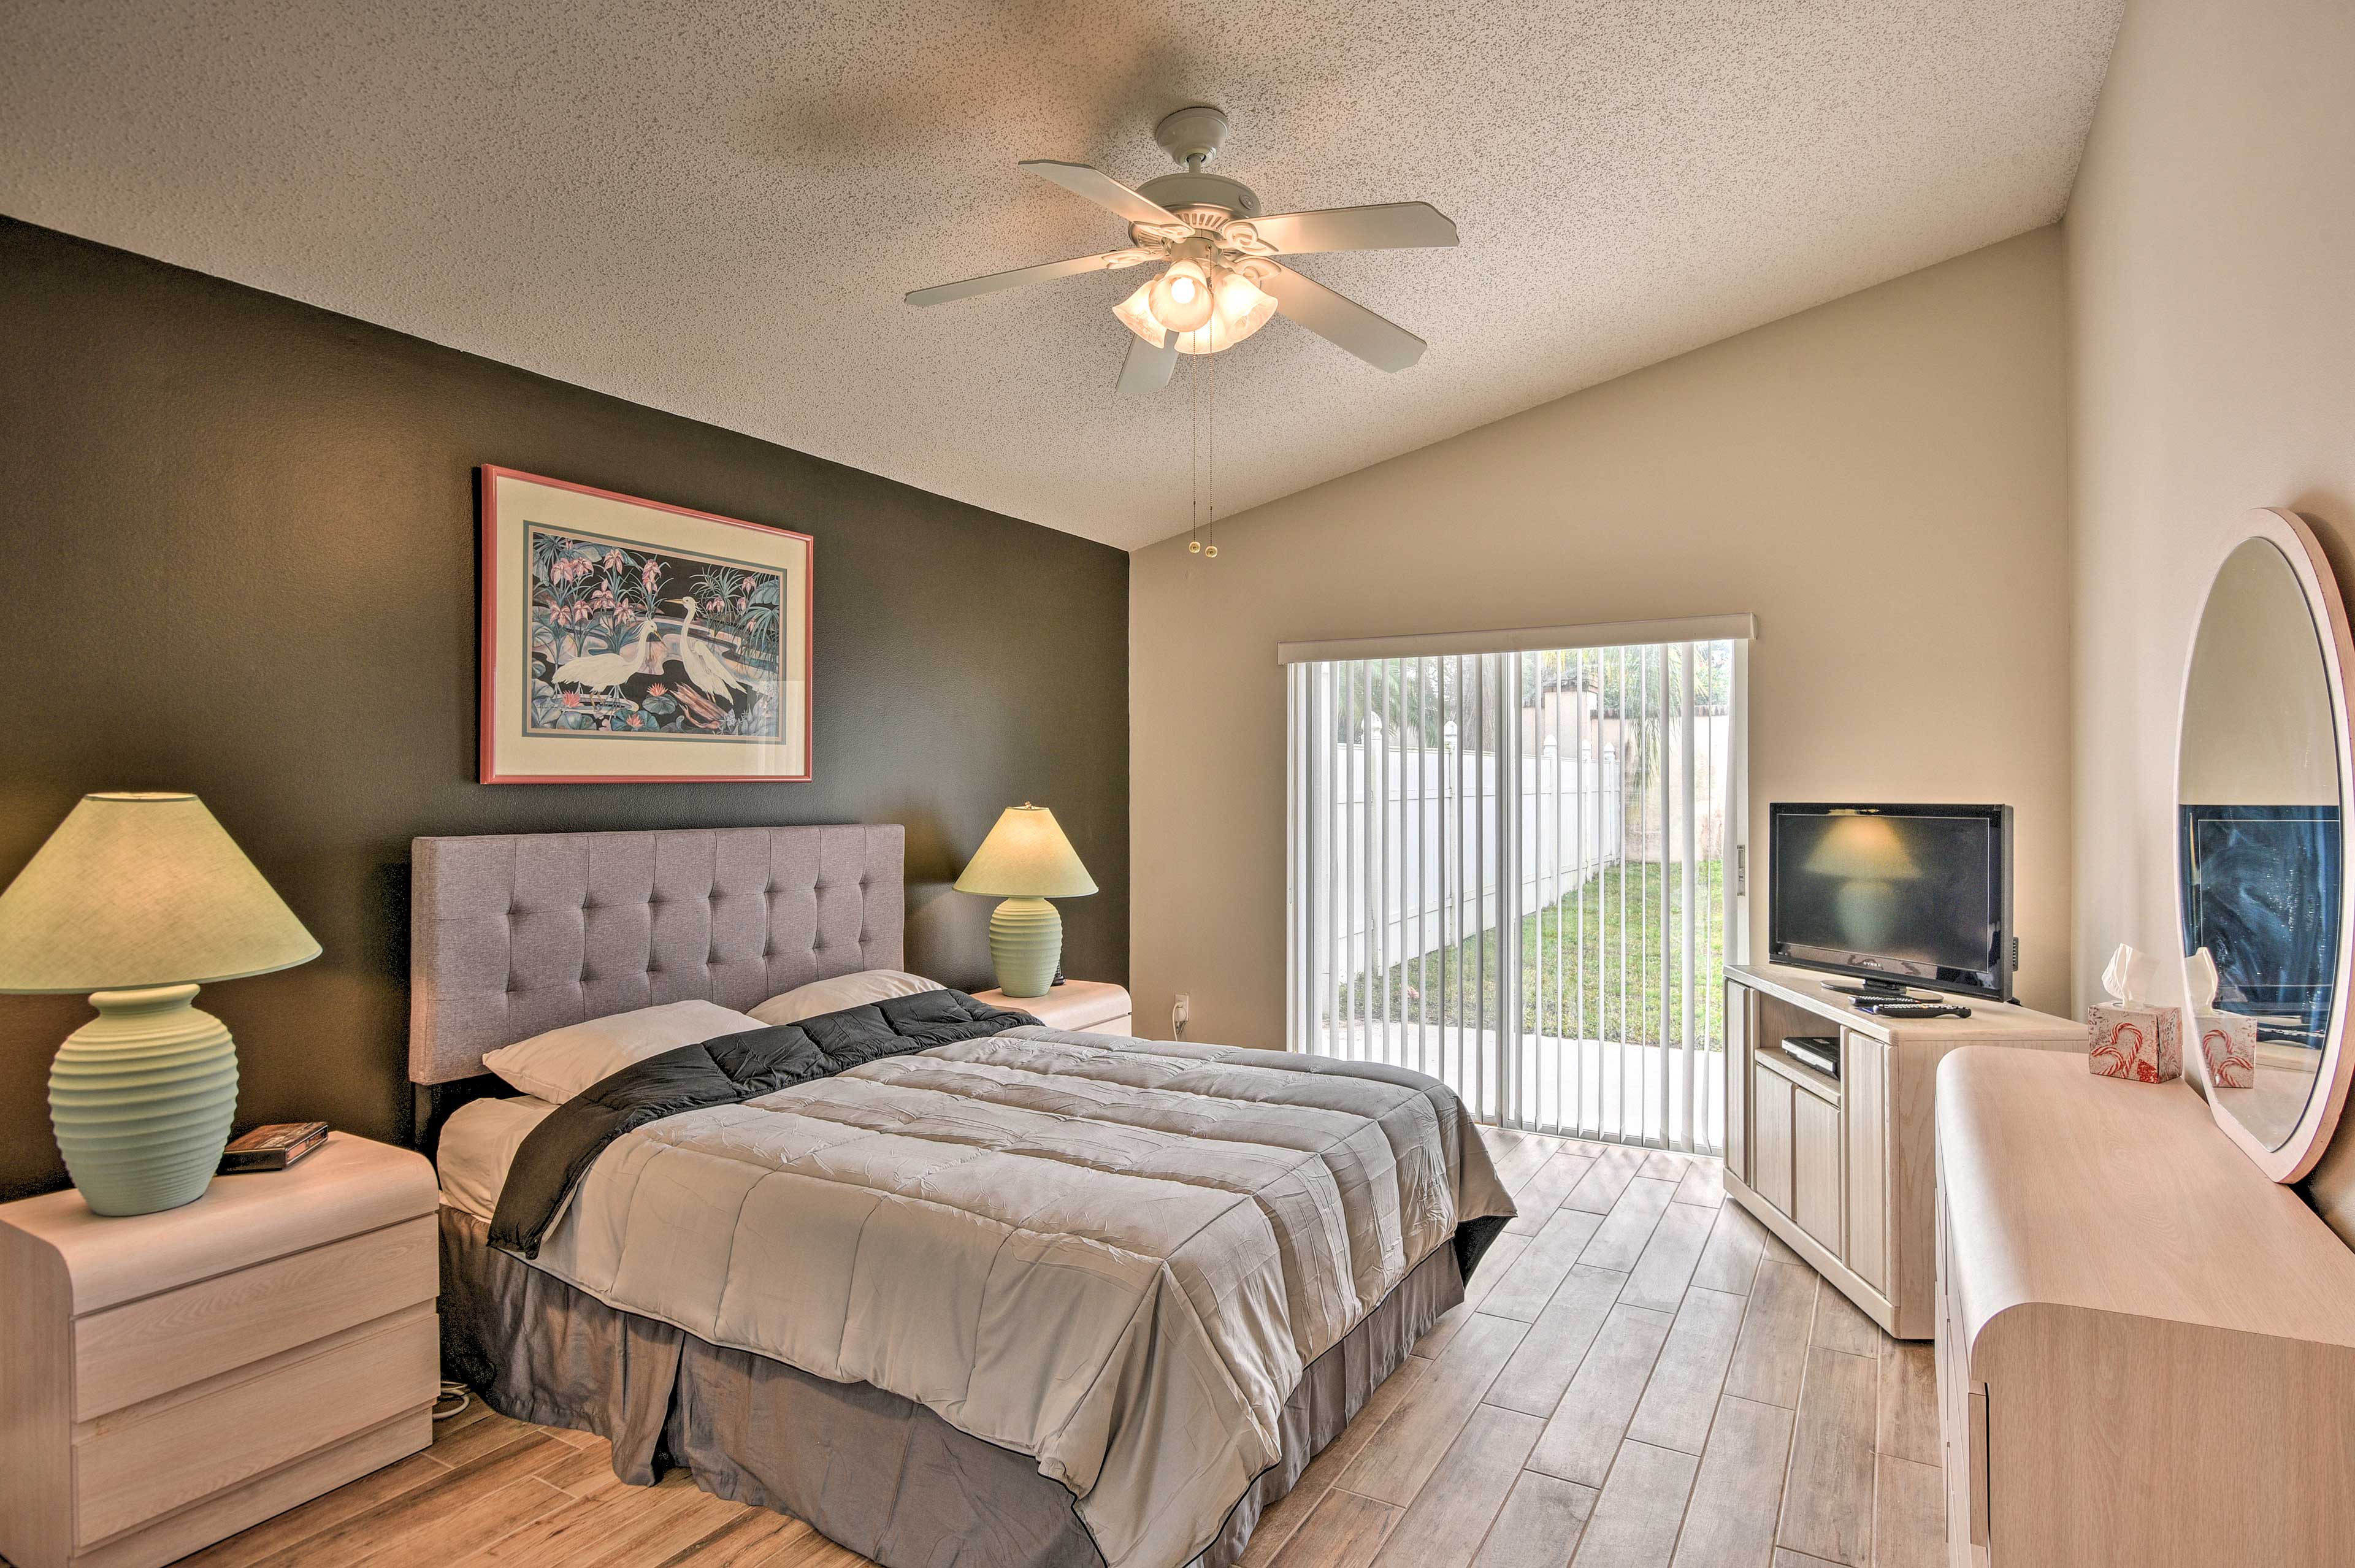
x: 2146, y: 1350
x: 167, y: 1379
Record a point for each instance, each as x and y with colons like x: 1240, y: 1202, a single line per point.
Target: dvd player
x: 1820, y: 1051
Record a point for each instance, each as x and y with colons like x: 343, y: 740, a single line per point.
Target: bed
x: 1022, y: 1299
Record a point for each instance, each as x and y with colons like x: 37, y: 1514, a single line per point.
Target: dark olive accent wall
x: 237, y: 550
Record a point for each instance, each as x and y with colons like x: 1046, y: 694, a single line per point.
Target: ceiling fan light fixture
x: 1135, y: 313
x: 1240, y: 309
x: 1180, y: 298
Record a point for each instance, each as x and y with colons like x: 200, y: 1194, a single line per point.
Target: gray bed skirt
x: 881, y: 1475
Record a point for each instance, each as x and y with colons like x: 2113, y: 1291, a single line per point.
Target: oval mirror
x: 2263, y: 784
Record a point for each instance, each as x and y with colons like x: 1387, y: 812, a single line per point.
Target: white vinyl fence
x: 1407, y: 802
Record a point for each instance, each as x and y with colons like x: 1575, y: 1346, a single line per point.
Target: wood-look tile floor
x: 1642, y: 1378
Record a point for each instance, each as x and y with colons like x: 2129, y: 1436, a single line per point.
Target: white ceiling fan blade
x: 1391, y: 226
x: 1148, y: 368
x: 1340, y: 320
x: 1045, y: 272
x: 1102, y: 189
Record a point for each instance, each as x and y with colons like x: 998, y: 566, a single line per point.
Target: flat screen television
x: 1894, y: 895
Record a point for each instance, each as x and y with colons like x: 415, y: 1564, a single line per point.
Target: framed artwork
x: 628, y: 641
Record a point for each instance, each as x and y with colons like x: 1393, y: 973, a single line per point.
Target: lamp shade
x: 1026, y: 856
x: 134, y: 890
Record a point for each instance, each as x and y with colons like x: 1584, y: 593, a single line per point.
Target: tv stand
x: 1842, y: 1168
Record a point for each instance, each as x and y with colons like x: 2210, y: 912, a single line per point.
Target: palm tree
x: 1415, y: 699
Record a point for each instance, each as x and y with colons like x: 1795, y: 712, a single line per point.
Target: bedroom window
x: 1508, y: 868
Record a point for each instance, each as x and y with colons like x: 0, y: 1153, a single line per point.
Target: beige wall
x: 2211, y: 282
x: 1881, y: 480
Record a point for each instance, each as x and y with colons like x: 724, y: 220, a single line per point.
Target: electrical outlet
x: 1181, y: 1013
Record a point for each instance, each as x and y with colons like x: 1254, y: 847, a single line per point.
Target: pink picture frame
x: 631, y: 641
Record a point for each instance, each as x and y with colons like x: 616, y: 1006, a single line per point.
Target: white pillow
x: 560, y: 1063
x: 841, y: 991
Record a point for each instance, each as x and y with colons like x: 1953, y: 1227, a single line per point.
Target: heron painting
x: 627, y: 639
x: 649, y: 641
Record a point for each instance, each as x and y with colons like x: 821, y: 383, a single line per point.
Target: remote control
x: 1914, y: 1010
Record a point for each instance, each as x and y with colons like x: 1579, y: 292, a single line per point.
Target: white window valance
x: 1524, y: 639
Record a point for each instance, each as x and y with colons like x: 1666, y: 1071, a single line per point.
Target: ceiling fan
x: 1221, y: 282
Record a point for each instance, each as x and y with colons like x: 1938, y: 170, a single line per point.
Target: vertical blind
x: 1507, y: 870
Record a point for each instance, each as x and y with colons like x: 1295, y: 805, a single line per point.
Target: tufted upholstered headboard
x: 518, y: 933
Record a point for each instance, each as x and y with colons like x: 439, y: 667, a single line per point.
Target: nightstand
x: 170, y: 1379
x: 1096, y: 1007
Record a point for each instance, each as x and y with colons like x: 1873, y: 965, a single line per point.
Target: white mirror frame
x: 2288, y: 532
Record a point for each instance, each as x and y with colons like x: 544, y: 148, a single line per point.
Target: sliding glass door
x: 1508, y: 871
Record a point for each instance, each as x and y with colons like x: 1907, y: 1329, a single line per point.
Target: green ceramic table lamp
x: 1025, y: 860
x: 140, y: 898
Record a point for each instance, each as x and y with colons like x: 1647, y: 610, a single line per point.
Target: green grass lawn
x: 1596, y: 1000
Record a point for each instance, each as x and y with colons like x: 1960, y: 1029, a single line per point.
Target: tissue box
x: 2228, y: 1046
x: 2145, y: 1044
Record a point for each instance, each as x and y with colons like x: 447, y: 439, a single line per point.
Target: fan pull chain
x: 1202, y: 476
x: 1194, y: 450
x: 1210, y: 551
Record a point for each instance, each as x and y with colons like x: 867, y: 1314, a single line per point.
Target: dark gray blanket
x: 558, y: 1152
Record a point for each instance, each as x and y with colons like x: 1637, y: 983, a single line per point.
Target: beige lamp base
x: 1026, y: 942
x: 141, y: 1098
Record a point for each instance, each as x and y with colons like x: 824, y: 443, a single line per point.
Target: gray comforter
x: 1113, y: 1256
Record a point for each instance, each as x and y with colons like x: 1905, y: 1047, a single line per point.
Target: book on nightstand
x: 272, y: 1147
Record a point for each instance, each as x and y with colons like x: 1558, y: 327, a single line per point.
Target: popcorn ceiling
x: 714, y: 209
